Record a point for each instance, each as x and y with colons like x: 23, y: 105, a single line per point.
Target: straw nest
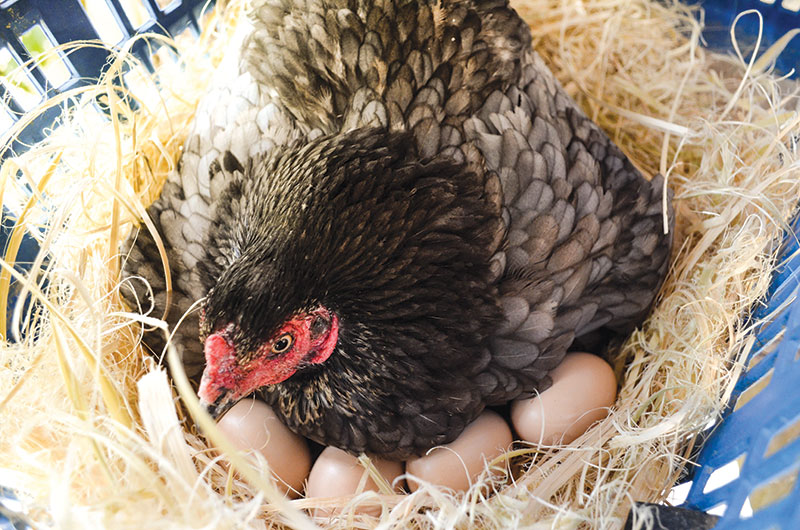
x: 94, y: 435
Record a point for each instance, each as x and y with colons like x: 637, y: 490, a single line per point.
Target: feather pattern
x: 415, y: 167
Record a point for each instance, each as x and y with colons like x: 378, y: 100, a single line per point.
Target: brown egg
x: 583, y: 387
x: 337, y: 474
x: 458, y: 463
x: 252, y: 426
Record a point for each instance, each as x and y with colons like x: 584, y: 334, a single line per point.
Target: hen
x: 394, y: 217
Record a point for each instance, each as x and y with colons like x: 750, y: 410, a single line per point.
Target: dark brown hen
x: 395, y: 217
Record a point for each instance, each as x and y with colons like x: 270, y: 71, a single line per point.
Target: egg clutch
x: 583, y: 388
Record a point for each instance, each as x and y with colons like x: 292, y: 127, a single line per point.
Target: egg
x: 583, y: 387
x: 251, y: 425
x: 457, y: 464
x: 337, y: 474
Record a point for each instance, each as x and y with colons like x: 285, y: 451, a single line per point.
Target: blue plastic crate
x: 758, y: 438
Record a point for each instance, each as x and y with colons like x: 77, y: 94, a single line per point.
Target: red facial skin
x: 225, y: 381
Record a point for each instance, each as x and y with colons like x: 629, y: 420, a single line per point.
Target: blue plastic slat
x: 10, y: 102
x: 719, y: 15
x: 22, y: 56
x: 67, y: 21
x: 121, y: 17
x: 13, y: 521
x: 26, y: 255
x: 749, y: 430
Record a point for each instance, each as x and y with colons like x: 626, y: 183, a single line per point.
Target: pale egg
x: 251, y: 425
x: 339, y: 474
x: 457, y: 464
x: 583, y: 388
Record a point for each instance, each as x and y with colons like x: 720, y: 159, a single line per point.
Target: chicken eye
x: 283, y: 343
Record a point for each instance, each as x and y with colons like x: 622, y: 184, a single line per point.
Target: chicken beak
x: 221, y: 405
x: 217, y: 390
